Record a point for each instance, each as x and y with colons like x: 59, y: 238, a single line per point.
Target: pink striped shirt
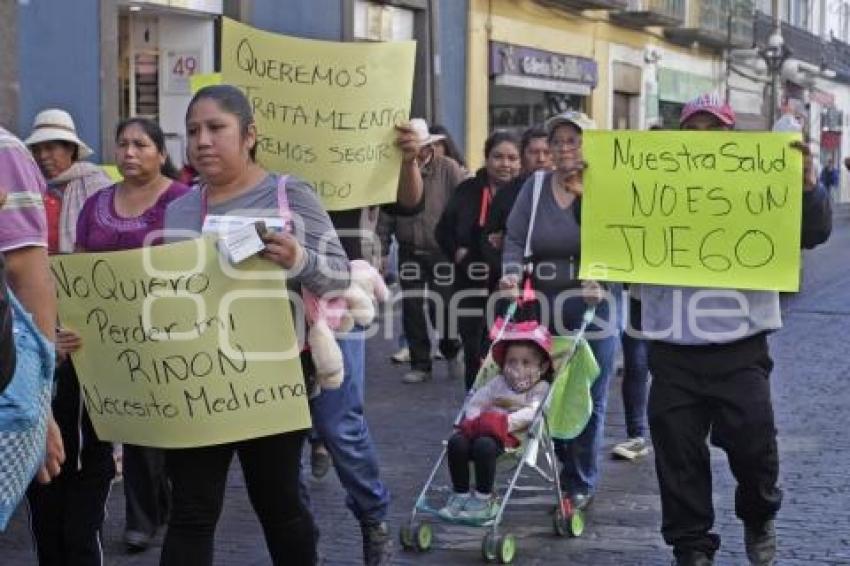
x: 22, y: 219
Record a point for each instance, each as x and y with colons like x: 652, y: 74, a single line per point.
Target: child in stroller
x: 498, y: 411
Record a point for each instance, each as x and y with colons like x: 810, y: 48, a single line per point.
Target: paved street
x: 408, y: 422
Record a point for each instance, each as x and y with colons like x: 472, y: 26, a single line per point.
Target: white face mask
x: 520, y: 378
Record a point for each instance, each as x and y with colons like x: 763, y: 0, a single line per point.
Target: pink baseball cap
x: 530, y: 331
x: 710, y: 103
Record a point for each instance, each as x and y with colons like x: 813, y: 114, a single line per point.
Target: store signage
x: 208, y: 6
x: 506, y: 59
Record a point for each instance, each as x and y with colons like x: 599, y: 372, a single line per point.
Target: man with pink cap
x: 711, y: 369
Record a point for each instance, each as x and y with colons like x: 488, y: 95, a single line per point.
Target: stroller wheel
x: 489, y: 550
x: 498, y: 549
x: 577, y: 523
x: 561, y: 518
x: 423, y: 537
x: 405, y: 537
x: 507, y: 549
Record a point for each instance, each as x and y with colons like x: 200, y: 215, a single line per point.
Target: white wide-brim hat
x: 54, y: 124
x: 423, y: 135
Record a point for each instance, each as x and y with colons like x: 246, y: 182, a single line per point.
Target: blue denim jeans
x: 580, y: 456
x: 339, y: 422
x: 635, y: 386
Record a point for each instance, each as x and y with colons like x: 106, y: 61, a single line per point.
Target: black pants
x: 483, y: 451
x: 271, y: 466
x: 420, y: 275
x: 722, y: 391
x: 470, y: 310
x: 67, y: 514
x: 147, y: 493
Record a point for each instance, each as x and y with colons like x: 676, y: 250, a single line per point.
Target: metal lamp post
x: 775, y: 54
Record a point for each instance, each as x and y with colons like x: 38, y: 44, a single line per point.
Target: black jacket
x: 497, y: 221
x: 460, y: 224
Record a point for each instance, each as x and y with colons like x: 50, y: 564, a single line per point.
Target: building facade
x: 105, y: 60
x: 626, y: 63
x: 481, y: 64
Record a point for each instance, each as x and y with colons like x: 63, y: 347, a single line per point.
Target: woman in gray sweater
x: 222, y: 143
x: 555, y: 248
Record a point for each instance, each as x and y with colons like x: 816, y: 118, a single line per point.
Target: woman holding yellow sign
x: 549, y: 204
x: 124, y: 216
x: 222, y: 145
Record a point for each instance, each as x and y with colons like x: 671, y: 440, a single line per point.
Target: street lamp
x: 774, y: 54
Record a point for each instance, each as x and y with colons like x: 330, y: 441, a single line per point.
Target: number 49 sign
x: 180, y: 66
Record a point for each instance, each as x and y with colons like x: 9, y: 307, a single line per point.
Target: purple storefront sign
x: 506, y: 59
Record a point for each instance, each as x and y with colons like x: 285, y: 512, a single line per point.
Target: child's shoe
x: 480, y: 508
x: 454, y: 506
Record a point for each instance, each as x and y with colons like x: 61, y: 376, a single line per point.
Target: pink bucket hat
x: 530, y: 331
x: 710, y: 103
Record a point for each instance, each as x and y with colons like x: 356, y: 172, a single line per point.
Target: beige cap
x: 578, y: 119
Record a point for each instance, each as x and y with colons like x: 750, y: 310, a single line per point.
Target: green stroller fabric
x: 570, y: 403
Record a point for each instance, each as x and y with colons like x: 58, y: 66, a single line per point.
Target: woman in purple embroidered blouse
x: 124, y: 216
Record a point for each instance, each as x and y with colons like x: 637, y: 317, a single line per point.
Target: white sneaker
x: 457, y: 369
x: 454, y: 506
x: 632, y: 449
x: 416, y: 376
x: 402, y: 356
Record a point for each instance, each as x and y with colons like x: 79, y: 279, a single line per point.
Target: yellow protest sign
x: 325, y: 111
x: 113, y: 172
x: 704, y: 209
x: 180, y: 350
x: 199, y: 81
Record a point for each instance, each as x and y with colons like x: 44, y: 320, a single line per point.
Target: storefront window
x: 517, y: 109
x: 670, y: 113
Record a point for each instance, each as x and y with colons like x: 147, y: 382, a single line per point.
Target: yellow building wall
x: 527, y: 23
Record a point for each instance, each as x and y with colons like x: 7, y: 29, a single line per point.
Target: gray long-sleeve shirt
x: 555, y: 241
x: 326, y: 265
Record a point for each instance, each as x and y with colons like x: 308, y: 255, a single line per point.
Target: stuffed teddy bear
x: 339, y: 312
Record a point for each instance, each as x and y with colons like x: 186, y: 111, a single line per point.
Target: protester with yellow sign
x: 547, y: 205
x: 67, y: 514
x: 337, y: 114
x: 222, y: 141
x: 710, y: 368
x: 123, y: 217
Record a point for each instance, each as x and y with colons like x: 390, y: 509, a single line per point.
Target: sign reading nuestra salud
x: 325, y: 111
x: 702, y: 209
x: 180, y: 349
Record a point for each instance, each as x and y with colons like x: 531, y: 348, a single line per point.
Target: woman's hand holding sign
x: 810, y: 178
x: 283, y: 249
